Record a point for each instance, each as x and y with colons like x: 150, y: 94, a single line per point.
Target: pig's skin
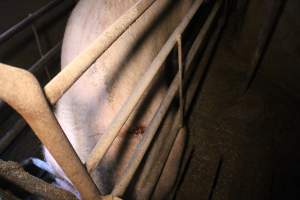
x: 88, y: 108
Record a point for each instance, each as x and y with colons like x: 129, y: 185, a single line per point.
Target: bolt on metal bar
x: 154, y: 124
x: 21, y: 90
x: 107, y: 139
x: 45, y: 58
x: 27, y: 21
x: 65, y: 79
x: 180, y: 69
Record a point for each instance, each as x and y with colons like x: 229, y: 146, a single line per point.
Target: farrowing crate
x: 21, y: 90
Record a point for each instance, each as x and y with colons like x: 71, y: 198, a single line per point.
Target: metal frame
x: 21, y: 90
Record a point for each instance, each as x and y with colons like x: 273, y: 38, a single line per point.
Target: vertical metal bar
x: 180, y: 66
x: 37, y: 40
x: 114, y: 128
x: 21, y: 90
x: 39, y: 46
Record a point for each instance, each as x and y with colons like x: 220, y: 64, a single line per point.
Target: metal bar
x: 156, y: 159
x: 10, y: 135
x: 45, y: 58
x: 114, y: 128
x: 65, y: 79
x: 21, y: 90
x: 142, y: 147
x: 37, y: 40
x: 41, y: 62
x: 154, y: 124
x: 13, y: 172
x: 27, y: 21
x: 184, y: 165
x: 264, y: 39
x: 20, y: 124
x: 156, y: 169
x: 39, y: 46
x: 198, y: 74
x: 181, y: 98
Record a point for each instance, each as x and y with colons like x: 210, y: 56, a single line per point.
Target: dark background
x: 246, y: 144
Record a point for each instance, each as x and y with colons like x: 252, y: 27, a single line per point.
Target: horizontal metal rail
x: 114, y: 128
x: 28, y: 21
x: 159, y: 116
x: 65, y: 79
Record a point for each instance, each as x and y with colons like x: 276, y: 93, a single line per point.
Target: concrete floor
x: 247, y: 145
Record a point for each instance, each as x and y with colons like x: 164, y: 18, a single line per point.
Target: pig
x: 86, y: 110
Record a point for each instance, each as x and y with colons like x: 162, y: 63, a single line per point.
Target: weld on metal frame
x: 22, y: 91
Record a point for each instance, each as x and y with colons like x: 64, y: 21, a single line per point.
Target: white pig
x: 90, y: 105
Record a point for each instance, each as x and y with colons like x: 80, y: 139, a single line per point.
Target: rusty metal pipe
x: 154, y: 124
x: 65, y: 79
x: 114, y: 128
x: 21, y: 90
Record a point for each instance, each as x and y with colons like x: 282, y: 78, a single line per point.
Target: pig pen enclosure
x: 29, y: 94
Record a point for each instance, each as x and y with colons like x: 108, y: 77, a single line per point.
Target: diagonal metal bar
x: 159, y: 116
x: 65, y: 79
x: 104, y: 143
x: 21, y: 90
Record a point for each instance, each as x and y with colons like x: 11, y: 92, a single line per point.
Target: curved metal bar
x: 21, y: 90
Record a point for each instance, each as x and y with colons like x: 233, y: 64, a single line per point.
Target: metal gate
x: 20, y: 89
